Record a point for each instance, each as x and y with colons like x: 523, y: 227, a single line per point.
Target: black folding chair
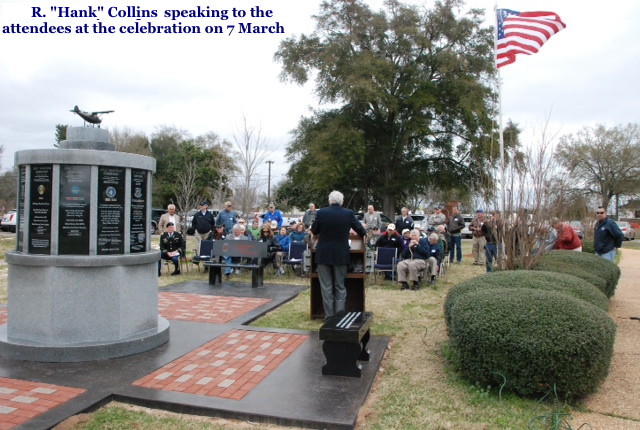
x: 204, y: 253
x: 296, y: 256
x: 385, y: 262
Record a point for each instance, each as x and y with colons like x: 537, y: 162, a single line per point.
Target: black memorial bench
x: 253, y: 256
x: 345, y: 343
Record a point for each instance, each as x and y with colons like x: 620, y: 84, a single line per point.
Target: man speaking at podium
x: 331, y: 228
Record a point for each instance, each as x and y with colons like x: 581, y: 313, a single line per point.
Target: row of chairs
x: 294, y: 258
x: 386, y: 261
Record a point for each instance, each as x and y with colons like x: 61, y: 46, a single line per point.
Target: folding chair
x: 296, y: 255
x: 385, y: 262
x: 204, y: 253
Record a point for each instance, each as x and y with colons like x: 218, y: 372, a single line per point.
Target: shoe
x: 159, y: 274
x: 415, y: 286
x: 227, y: 276
x: 282, y: 272
x: 405, y: 286
x: 433, y: 279
x: 175, y: 273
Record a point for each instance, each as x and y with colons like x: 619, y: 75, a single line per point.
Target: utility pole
x: 269, y: 162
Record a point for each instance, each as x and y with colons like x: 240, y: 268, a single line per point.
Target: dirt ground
x: 616, y: 405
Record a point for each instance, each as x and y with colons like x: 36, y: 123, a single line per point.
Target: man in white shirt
x: 170, y: 216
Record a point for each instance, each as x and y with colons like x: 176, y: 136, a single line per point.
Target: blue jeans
x: 491, y: 253
x: 609, y: 255
x: 455, y: 242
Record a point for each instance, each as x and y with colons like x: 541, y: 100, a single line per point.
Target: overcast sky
x: 584, y: 75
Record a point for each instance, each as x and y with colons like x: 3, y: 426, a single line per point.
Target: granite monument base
x: 77, y: 308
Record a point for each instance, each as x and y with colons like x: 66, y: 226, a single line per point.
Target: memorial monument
x: 82, y: 282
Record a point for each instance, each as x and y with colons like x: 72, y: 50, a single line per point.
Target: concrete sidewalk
x: 616, y: 405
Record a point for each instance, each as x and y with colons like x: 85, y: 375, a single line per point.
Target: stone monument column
x: 82, y: 282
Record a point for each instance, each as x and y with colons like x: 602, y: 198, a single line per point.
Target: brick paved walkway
x: 21, y: 401
x: 201, y: 308
x: 229, y: 366
x: 3, y: 316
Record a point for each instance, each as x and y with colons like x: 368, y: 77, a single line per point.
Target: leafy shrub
x: 588, y: 246
x: 536, y: 339
x: 589, y: 267
x: 549, y: 281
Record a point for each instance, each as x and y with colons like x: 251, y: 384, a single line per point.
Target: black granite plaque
x: 73, y: 214
x: 138, y: 221
x: 22, y: 178
x: 40, y: 209
x: 111, y: 210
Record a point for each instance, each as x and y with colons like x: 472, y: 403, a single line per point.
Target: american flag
x: 523, y: 33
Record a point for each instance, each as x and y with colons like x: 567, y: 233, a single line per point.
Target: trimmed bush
x: 588, y: 246
x: 536, y: 339
x: 589, y: 267
x: 549, y: 281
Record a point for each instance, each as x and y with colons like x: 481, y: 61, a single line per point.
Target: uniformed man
x: 172, y: 246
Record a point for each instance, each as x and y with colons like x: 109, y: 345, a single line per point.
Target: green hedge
x: 549, y: 281
x: 588, y: 246
x: 536, y: 339
x: 590, y: 267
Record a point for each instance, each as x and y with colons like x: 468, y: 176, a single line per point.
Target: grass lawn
x: 415, y: 388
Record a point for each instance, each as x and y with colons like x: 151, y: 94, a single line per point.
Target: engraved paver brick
x: 202, y: 308
x: 207, y: 375
x: 42, y: 390
x: 6, y: 409
x: 24, y: 399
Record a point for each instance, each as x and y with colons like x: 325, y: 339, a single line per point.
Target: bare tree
x: 251, y: 150
x: 126, y: 140
x: 603, y: 161
x: 530, y: 201
x: 188, y: 197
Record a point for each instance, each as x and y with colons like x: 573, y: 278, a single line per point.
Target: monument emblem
x: 93, y: 118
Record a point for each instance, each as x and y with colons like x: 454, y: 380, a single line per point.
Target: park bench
x: 345, y: 343
x: 256, y: 253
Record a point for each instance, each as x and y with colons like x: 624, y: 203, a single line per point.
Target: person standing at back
x: 607, y: 236
x: 331, y: 228
x: 202, y: 223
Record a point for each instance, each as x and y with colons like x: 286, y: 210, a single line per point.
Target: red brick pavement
x: 3, y: 316
x: 201, y: 308
x: 21, y: 401
x: 229, y: 366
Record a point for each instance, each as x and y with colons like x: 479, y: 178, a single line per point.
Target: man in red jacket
x: 567, y: 237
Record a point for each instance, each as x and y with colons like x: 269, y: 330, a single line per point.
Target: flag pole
x: 500, y: 133
x: 501, y: 250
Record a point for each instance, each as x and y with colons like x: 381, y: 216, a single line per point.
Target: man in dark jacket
x: 331, y: 227
x: 455, y: 226
x: 390, y: 239
x: 202, y: 223
x: 607, y: 235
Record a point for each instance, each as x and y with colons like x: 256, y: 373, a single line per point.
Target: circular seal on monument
x: 110, y: 192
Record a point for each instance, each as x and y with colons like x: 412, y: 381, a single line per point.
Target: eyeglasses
x: 600, y: 213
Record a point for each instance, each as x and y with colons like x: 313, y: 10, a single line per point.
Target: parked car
x: 419, y: 221
x: 9, y: 221
x: 578, y: 228
x: 156, y: 213
x: 188, y: 218
x: 385, y: 220
x: 465, y: 232
x: 627, y: 230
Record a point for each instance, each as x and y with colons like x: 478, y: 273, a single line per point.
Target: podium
x: 355, y: 281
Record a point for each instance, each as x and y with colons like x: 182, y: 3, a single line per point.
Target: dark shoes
x: 175, y: 272
x: 405, y: 286
x: 433, y: 279
x: 227, y: 276
x: 415, y: 286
